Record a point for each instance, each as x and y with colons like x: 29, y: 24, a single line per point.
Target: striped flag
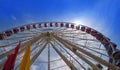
x: 9, y: 64
x: 25, y: 63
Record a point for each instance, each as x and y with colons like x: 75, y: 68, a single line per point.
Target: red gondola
x: 8, y: 33
x: 88, y: 30
x: 67, y: 25
x: 15, y: 30
x: 1, y: 37
x: 72, y: 26
x: 83, y: 28
x: 22, y: 28
x: 93, y: 33
x: 28, y: 27
x: 105, y: 42
x: 62, y: 25
x: 34, y: 25
x: 77, y: 27
x: 45, y: 25
x: 99, y: 36
x: 39, y: 25
x: 51, y: 24
x: 56, y: 24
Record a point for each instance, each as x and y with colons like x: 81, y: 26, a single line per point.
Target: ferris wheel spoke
x: 37, y: 32
x: 60, y: 29
x: 38, y: 53
x: 78, y: 38
x: 32, y: 60
x: 20, y: 37
x: 80, y: 56
x: 65, y: 30
x: 87, y: 53
x: 72, y: 56
x: 4, y: 55
x: 35, y: 39
x: 90, y: 48
x: 59, y: 67
x: 28, y: 32
x: 7, y: 45
x: 96, y: 48
x: 36, y: 47
x: 87, y: 47
x: 71, y: 66
x: 22, y: 48
x: 73, y: 35
x: 16, y: 39
x: 87, y: 61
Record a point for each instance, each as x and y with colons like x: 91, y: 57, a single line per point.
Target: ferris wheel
x: 60, y: 46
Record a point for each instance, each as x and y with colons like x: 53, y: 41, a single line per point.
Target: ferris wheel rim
x: 70, y: 25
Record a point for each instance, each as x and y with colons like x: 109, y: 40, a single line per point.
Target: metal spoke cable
x: 35, y: 56
x: 59, y: 67
x: 14, y: 43
x: 78, y: 54
x: 71, y: 66
x: 14, y: 38
x: 72, y: 56
x: 89, y: 49
x: 90, y: 55
x: 36, y: 46
x: 78, y: 38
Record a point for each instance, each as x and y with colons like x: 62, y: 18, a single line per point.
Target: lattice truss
x: 59, y: 46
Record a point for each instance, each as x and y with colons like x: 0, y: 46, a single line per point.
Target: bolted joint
x: 73, y: 49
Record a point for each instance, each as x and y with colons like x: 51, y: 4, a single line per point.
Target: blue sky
x: 102, y: 15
